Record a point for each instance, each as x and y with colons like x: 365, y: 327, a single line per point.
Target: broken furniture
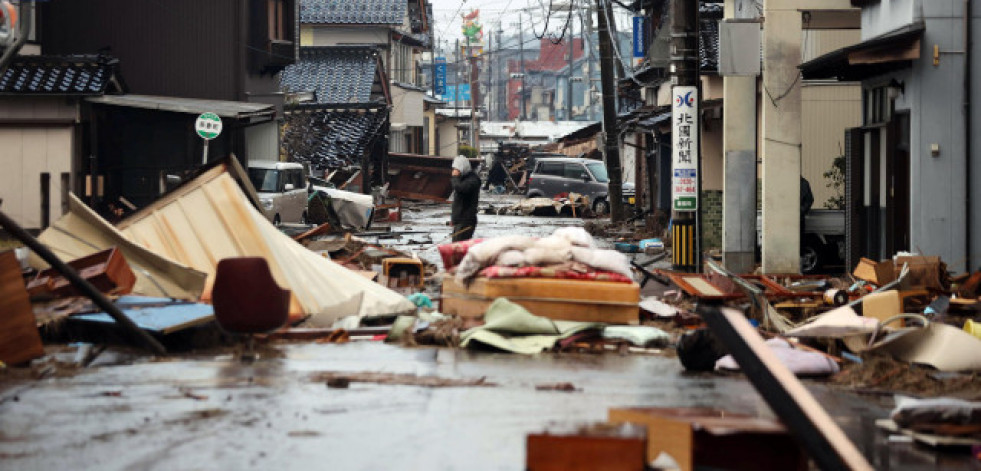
x: 697, y: 437
x: 247, y: 299
x: 209, y: 218
x: 161, y: 316
x: 572, y: 300
x: 107, y: 271
x: 403, y: 272
x: 83, y: 286
x: 824, y: 441
x: 82, y: 232
x: 599, y: 446
x: 647, y: 275
x: 19, y: 338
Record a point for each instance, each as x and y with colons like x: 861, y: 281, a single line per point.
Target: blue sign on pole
x: 640, y: 33
x: 439, y: 83
x: 456, y: 94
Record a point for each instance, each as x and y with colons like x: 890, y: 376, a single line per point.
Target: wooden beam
x: 824, y: 441
x: 831, y: 19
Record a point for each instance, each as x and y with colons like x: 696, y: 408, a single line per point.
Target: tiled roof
x: 331, y: 138
x: 59, y: 75
x: 708, y: 38
x: 340, y: 74
x: 387, y: 12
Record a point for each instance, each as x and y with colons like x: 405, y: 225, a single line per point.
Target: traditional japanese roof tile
x: 330, y: 138
x: 387, y: 12
x: 708, y: 38
x: 338, y: 74
x: 60, y: 75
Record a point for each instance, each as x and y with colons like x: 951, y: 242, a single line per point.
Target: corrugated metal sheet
x: 225, y: 109
x: 82, y: 232
x: 816, y: 43
x: 826, y: 111
x: 209, y: 219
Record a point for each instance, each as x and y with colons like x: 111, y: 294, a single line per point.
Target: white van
x: 282, y: 190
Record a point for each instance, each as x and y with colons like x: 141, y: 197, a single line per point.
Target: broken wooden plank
x: 598, y: 446
x: 825, y: 442
x: 83, y: 286
x: 19, y: 338
x: 399, y: 379
x: 158, y: 315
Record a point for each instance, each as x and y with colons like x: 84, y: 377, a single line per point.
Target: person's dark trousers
x: 463, y: 232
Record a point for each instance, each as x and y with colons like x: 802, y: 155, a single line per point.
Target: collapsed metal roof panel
x: 225, y: 109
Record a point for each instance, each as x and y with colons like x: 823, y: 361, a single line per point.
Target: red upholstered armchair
x: 247, y: 299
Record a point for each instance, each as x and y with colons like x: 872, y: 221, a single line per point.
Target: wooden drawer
x: 573, y: 300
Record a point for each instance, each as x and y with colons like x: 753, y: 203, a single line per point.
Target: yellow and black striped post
x: 684, y: 254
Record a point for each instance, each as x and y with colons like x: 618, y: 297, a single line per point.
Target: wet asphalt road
x: 212, y: 412
x: 216, y: 413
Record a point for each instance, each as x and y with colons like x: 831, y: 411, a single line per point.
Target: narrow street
x: 206, y: 410
x: 654, y: 235
x: 209, y: 411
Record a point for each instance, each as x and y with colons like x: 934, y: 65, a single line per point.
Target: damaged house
x: 120, y: 143
x: 400, y: 31
x: 343, y: 121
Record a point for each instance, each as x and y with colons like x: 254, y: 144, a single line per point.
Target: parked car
x: 824, y: 239
x: 553, y: 176
x: 282, y: 190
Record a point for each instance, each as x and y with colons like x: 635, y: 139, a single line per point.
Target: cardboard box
x: 878, y: 273
x: 571, y: 300
x: 924, y: 272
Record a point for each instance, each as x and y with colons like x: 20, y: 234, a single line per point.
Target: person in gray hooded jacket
x: 466, y: 188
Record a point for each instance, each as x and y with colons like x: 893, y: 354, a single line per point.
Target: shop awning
x: 891, y: 51
x: 225, y: 109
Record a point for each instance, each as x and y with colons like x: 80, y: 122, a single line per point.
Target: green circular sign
x: 208, y: 125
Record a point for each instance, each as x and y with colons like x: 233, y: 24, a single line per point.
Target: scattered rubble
x: 339, y: 380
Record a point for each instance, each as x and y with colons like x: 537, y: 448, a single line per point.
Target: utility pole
x: 739, y: 150
x: 489, y: 61
x: 474, y: 94
x: 686, y: 227
x: 611, y: 141
x: 521, y: 52
x: 456, y: 75
x: 502, y: 92
x: 572, y: 51
x: 587, y: 34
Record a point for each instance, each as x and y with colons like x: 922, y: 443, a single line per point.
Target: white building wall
x: 887, y: 15
x: 26, y: 153
x: 934, y: 96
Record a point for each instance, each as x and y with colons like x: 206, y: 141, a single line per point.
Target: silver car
x: 281, y: 187
x: 558, y: 176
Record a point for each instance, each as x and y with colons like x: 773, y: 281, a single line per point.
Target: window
x: 551, y: 168
x: 296, y: 178
x: 575, y: 171
x: 598, y: 169
x: 277, y: 19
x: 264, y: 180
x: 878, y: 105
